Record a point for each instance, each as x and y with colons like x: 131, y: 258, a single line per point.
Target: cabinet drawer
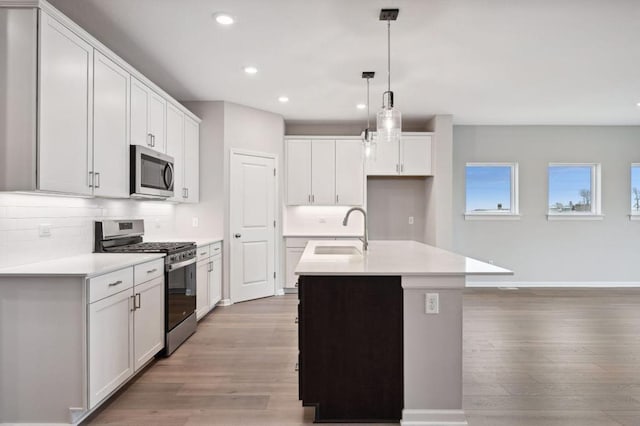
x: 216, y: 248
x: 148, y: 271
x: 105, y: 285
x: 297, y: 242
x: 203, y: 252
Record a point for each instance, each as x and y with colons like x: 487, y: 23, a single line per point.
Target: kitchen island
x: 380, y: 333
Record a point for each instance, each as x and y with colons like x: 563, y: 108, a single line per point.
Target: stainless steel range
x: 125, y: 236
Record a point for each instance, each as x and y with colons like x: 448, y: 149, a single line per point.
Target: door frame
x: 278, y: 289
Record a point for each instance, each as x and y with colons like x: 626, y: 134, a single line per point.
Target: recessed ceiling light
x: 638, y: 104
x: 250, y: 70
x: 223, y: 18
x: 361, y: 106
x: 283, y: 99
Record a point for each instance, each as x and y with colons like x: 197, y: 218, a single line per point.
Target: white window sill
x: 491, y: 216
x: 575, y: 216
x: 634, y: 216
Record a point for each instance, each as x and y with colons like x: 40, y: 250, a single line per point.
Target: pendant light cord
x: 368, y: 123
x: 389, y: 55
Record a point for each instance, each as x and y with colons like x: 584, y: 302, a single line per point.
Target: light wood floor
x: 531, y: 357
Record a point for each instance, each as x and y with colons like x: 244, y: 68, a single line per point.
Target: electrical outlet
x: 323, y: 220
x: 195, y: 222
x: 432, y: 303
x: 410, y: 220
x: 44, y: 230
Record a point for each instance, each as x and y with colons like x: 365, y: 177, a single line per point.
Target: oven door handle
x: 179, y: 265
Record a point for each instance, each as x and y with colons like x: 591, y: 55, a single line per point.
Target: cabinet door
x: 175, y: 148
x: 386, y: 159
x: 139, y: 114
x: 215, y: 281
x: 291, y: 261
x: 349, y: 173
x: 323, y: 172
x: 110, y: 128
x: 65, y: 110
x: 202, y: 288
x: 298, y: 172
x: 148, y: 320
x: 191, y: 160
x: 416, y: 155
x: 157, y: 120
x: 110, y: 344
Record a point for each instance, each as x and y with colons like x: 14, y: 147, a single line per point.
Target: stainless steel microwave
x: 152, y: 173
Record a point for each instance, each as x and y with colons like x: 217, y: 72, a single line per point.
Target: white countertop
x: 392, y: 258
x: 320, y: 235
x: 84, y: 265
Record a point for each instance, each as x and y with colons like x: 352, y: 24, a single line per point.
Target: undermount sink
x: 341, y: 250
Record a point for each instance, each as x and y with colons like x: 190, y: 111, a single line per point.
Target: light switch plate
x: 432, y: 303
x: 195, y: 222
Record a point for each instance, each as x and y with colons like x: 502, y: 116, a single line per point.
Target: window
x: 574, y: 190
x: 635, y: 189
x: 491, y: 190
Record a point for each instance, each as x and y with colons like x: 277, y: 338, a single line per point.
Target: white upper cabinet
x: 349, y: 172
x: 148, y: 117
x: 298, y: 172
x: 110, y: 128
x: 175, y: 148
x: 323, y: 172
x: 73, y: 107
x: 416, y: 155
x: 65, y: 110
x: 410, y: 157
x: 191, y: 161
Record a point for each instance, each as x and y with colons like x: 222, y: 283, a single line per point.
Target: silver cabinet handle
x: 337, y: 198
x: 90, y: 180
x: 313, y: 198
x: 216, y: 249
x: 187, y: 189
x: 115, y: 283
x: 402, y: 167
x: 309, y: 197
x: 203, y: 253
x: 153, y: 140
x: 138, y: 304
x: 210, y: 267
x: 151, y: 271
x: 97, y: 178
x: 133, y: 303
x: 397, y: 168
x: 149, y: 139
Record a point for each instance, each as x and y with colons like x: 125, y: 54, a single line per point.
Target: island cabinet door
x: 351, y: 347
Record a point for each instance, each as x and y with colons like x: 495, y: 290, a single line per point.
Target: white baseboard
x: 433, y: 418
x: 553, y: 284
x: 225, y: 302
x: 279, y: 292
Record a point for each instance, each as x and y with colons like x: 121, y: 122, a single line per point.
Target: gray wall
x: 390, y: 202
x: 542, y: 251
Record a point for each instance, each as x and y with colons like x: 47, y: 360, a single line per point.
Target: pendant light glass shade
x: 389, y: 124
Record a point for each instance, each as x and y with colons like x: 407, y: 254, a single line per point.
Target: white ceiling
x: 485, y: 62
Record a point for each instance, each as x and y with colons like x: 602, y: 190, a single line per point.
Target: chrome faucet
x: 365, y: 239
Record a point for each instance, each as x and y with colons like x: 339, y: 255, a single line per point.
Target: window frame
x: 596, y: 194
x: 633, y: 215
x: 514, y: 212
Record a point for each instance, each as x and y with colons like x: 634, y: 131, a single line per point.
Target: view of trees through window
x: 488, y: 188
x: 570, y: 189
x: 635, y: 189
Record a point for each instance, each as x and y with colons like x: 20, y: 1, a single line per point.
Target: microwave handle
x: 164, y: 175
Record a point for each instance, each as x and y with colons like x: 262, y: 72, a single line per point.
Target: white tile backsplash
x: 71, y: 221
x: 315, y: 220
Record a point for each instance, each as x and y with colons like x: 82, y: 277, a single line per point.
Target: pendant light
x: 367, y: 136
x: 389, y: 120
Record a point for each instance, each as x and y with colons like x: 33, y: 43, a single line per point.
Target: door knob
x: 238, y: 235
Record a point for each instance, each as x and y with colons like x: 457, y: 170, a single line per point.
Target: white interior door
x: 252, y: 213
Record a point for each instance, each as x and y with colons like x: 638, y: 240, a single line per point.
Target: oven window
x: 152, y: 173
x: 181, y: 295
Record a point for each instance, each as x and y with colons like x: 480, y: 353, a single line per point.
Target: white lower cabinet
x: 126, y: 329
x: 110, y: 344
x: 208, y: 278
x: 148, y: 330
